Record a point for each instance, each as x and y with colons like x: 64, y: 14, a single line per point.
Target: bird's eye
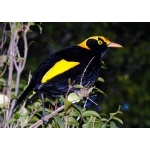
x: 100, y: 42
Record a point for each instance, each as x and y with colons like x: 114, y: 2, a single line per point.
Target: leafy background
x: 127, y: 77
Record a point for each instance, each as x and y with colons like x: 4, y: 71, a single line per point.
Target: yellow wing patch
x: 60, y: 67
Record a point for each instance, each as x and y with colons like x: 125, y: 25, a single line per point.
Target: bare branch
x: 10, y: 112
x: 13, y: 55
x: 15, y: 51
x: 47, y: 117
x: 11, y: 67
x: 22, y: 63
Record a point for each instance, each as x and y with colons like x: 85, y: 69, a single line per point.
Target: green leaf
x: 99, y: 124
x: 88, y: 125
x: 103, y: 67
x: 47, y: 110
x: 78, y: 86
x: 119, y: 112
x: 69, y: 81
x: 2, y: 80
x: 59, y: 121
x: 83, y: 109
x: 34, y: 119
x: 100, y: 91
x: 112, y: 114
x: 17, y: 115
x: 85, y: 126
x: 40, y: 28
x: 37, y: 104
x: 90, y: 113
x: 112, y: 124
x: 30, y: 43
x: 102, y: 63
x: 74, y: 114
x: 101, y: 79
x: 104, y: 119
x: 66, y: 103
x: 77, y: 108
x: 72, y: 120
x: 73, y: 98
x: 118, y: 119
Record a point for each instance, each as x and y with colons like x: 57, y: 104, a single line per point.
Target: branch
x: 85, y: 70
x: 10, y: 113
x: 47, y: 117
x: 21, y: 64
x: 10, y: 67
x: 25, y: 45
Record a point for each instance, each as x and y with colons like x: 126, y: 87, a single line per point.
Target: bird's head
x: 98, y: 44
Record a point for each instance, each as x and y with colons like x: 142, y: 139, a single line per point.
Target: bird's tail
x: 23, y: 96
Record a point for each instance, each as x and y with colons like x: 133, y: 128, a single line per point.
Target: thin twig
x: 66, y: 121
x: 47, y: 117
x: 30, y: 117
x: 70, y: 88
x: 3, y: 36
x: 85, y: 70
x: 94, y: 121
x: 106, y: 122
x: 3, y: 71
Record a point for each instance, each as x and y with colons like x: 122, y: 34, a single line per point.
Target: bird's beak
x: 115, y: 45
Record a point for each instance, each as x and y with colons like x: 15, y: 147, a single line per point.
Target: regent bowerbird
x: 51, y: 77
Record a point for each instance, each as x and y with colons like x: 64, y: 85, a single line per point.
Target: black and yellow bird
x: 81, y: 63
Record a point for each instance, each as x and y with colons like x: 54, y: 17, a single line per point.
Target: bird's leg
x: 43, y: 107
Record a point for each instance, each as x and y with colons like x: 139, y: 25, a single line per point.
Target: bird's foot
x: 43, y: 119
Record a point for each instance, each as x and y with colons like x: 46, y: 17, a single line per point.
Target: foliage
x: 73, y: 115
